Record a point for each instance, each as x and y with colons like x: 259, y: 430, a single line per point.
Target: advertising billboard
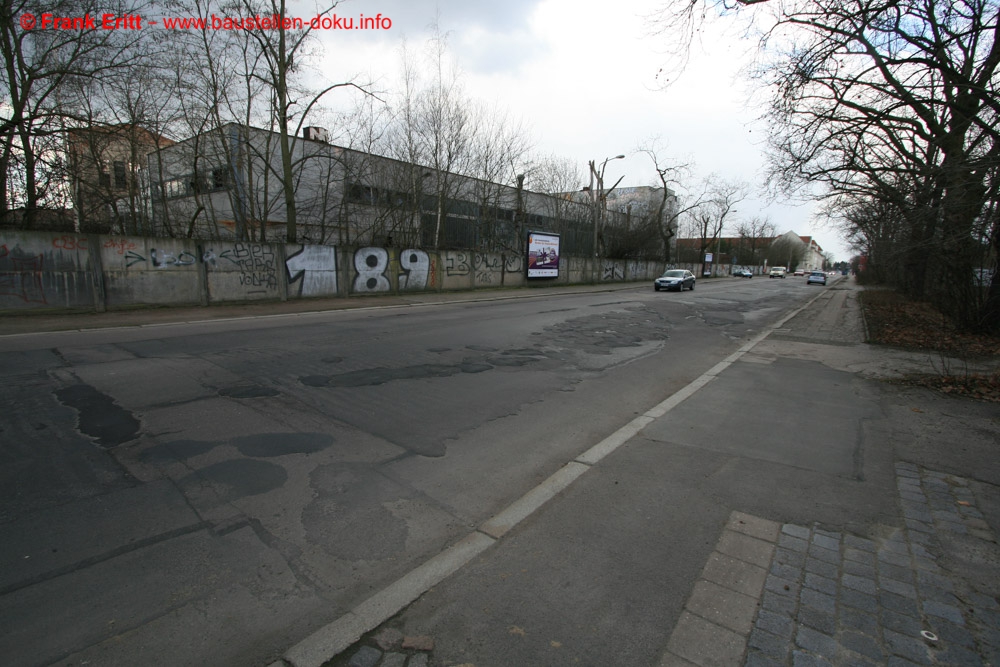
x: 543, y: 255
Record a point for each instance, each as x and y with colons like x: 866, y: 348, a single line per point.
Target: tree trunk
x: 30, y: 182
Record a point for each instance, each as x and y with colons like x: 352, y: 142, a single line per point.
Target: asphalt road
x: 212, y: 492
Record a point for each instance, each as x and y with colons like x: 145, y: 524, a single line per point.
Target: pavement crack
x: 132, y: 546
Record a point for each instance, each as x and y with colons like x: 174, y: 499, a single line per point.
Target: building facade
x: 789, y: 249
x: 230, y: 184
x: 109, y: 177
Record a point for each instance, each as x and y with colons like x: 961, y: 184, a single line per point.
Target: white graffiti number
x: 371, y: 263
x: 415, y: 265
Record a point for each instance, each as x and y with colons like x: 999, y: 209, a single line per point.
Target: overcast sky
x: 582, y: 76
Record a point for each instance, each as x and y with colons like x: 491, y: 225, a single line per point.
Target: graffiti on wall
x: 126, y: 249
x: 257, y: 263
x: 613, y: 271
x: 163, y: 258
x: 513, y: 264
x: 371, y: 265
x: 415, y: 266
x: 160, y: 259
x: 486, y: 266
x: 67, y: 242
x: 21, y: 275
x: 313, y: 269
x: 120, y: 246
x: 56, y: 267
x: 23, y: 278
x: 457, y: 264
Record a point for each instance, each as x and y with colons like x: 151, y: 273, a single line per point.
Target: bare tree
x: 436, y: 129
x: 283, y: 54
x: 443, y: 130
x: 552, y: 174
x: 717, y: 205
x: 232, y: 84
x: 755, y: 234
x: 498, y: 155
x: 876, y: 229
x: 889, y: 100
x: 561, y: 179
x: 121, y: 119
x: 670, y: 175
x: 41, y: 60
x: 431, y: 131
x: 368, y: 181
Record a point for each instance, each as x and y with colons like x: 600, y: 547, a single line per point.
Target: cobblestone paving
x: 389, y: 648
x: 838, y: 599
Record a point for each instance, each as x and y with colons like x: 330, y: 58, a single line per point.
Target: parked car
x: 742, y: 273
x: 777, y: 272
x: 817, y: 277
x: 674, y: 280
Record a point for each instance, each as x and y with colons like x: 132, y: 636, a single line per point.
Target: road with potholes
x: 212, y: 492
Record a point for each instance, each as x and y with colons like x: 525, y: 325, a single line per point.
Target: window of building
x: 174, y: 188
x: 104, y: 179
x: 120, y: 180
x: 361, y: 194
x: 199, y: 184
x: 220, y: 177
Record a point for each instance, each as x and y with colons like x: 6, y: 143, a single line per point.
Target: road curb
x: 334, y: 638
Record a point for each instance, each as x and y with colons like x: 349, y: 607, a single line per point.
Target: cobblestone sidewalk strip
x: 719, y: 615
x: 829, y: 598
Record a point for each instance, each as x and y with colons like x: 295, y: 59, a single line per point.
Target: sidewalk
x: 787, y: 508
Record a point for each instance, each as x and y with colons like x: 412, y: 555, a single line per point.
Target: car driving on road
x: 817, y: 277
x: 674, y: 280
x: 777, y: 272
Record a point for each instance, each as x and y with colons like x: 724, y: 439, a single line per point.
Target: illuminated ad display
x: 543, y: 255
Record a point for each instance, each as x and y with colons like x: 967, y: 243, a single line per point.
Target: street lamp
x: 597, y: 197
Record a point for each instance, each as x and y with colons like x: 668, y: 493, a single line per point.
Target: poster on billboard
x: 543, y: 255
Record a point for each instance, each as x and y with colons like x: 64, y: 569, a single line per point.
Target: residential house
x: 789, y: 249
x: 109, y: 177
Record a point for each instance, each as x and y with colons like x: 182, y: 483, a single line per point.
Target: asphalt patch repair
x: 99, y: 417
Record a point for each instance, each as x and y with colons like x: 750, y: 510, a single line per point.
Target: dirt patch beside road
x: 893, y: 320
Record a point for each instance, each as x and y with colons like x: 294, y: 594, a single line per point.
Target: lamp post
x: 597, y: 197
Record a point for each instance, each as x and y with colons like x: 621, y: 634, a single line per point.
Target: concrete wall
x: 151, y: 271
x: 45, y: 270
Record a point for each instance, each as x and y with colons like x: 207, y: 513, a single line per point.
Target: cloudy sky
x: 583, y: 75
